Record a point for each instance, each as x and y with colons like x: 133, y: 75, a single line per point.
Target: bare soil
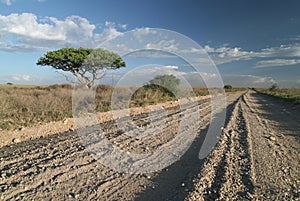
x: 256, y: 158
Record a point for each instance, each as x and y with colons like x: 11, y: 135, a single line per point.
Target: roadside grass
x: 25, y: 105
x: 235, y: 89
x: 290, y: 94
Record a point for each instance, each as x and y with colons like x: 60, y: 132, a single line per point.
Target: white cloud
x: 123, y: 26
x: 282, y: 51
x: 202, y: 61
x: 195, y: 78
x: 208, y: 75
x: 9, y: 47
x: 161, y: 70
x: 107, y: 34
x: 295, y: 38
x: 149, y: 54
x: 227, y: 54
x: 172, y: 67
x: 113, y: 25
x: 144, y: 31
x: 9, y: 2
x: 166, y: 45
x: 141, y: 33
x: 28, y: 26
x: 276, y: 62
x: 109, y: 24
x: 25, y: 78
x: 34, y: 32
x: 6, y: 2
x: 194, y: 51
x: 248, y: 80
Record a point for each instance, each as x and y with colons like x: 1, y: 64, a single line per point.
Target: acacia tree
x: 86, y: 64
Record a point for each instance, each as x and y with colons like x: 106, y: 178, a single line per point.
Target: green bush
x: 167, y: 83
x: 228, y: 87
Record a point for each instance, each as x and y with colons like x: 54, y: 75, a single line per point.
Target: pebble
x: 16, y: 140
x: 272, y: 138
x: 285, y: 170
x: 72, y: 195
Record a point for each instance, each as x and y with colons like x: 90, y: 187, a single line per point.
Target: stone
x: 16, y: 140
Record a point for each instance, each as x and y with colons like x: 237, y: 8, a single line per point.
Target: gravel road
x: 256, y: 158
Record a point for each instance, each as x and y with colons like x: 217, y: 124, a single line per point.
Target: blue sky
x: 252, y: 43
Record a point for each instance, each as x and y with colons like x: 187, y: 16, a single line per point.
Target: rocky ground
x: 256, y: 157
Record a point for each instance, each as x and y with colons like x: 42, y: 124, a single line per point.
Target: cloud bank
x: 26, y: 32
x: 227, y: 54
x: 9, y: 2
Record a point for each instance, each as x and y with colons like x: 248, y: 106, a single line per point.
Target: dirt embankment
x: 256, y: 158
x: 8, y: 137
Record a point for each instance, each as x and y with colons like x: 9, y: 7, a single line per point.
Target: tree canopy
x: 228, y: 87
x: 169, y: 82
x: 86, y: 64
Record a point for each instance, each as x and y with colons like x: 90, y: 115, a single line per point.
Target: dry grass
x: 291, y: 94
x: 24, y: 105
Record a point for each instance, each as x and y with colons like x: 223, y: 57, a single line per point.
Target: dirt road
x: 256, y: 158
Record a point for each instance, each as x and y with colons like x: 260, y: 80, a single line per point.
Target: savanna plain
x: 256, y: 156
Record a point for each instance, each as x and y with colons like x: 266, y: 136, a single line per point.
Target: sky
x: 247, y: 43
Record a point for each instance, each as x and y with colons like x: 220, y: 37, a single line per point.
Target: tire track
x: 257, y: 157
x: 59, y: 168
x: 275, y: 140
x: 226, y: 173
x: 48, y: 164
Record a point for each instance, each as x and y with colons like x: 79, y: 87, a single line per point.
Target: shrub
x: 167, y: 82
x: 228, y: 87
x: 274, y: 87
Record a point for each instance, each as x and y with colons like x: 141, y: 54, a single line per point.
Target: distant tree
x: 168, y: 82
x: 9, y: 83
x: 228, y: 87
x: 86, y: 64
x: 274, y: 87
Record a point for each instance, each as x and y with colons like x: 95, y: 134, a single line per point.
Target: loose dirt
x: 256, y: 157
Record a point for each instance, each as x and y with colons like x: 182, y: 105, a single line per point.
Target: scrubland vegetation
x: 290, y: 94
x: 22, y: 106
x: 27, y: 105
